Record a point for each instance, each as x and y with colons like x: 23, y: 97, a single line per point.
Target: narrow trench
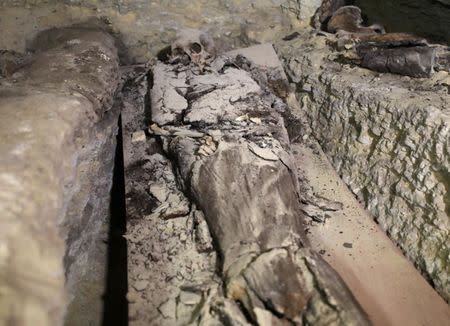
x: 115, y: 309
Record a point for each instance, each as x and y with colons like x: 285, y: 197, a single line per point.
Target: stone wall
x: 57, y: 139
x: 388, y: 137
x: 148, y: 26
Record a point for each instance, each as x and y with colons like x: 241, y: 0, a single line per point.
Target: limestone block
x: 57, y: 140
x: 385, y: 135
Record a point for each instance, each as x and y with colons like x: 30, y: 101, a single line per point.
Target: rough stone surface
x: 148, y: 26
x: 387, y: 136
x: 10, y: 61
x: 307, y: 8
x: 57, y: 143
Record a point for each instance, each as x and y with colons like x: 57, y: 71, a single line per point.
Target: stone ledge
x: 387, y: 136
x: 52, y: 133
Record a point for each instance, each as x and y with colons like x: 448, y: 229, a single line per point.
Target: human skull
x: 193, y: 46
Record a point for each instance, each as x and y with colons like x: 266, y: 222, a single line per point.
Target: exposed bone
x: 174, y: 131
x: 196, y: 45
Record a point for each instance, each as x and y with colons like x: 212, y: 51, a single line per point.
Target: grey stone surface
x: 148, y: 26
x: 385, y: 283
x: 308, y: 8
x: 387, y: 136
x: 57, y: 141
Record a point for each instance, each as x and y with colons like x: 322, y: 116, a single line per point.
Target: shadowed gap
x: 115, y: 310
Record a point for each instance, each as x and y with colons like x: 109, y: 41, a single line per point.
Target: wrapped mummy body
x: 240, y: 174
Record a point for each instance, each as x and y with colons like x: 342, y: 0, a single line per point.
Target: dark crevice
x: 115, y: 310
x: 440, y: 3
x: 147, y: 99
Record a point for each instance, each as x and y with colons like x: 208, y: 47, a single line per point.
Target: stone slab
x: 57, y: 139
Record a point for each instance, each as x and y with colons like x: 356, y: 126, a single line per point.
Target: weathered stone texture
x: 388, y: 137
x: 56, y: 136
x: 147, y: 26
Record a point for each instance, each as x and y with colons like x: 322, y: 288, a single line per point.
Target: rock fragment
x: 264, y: 153
x: 203, y: 238
x: 140, y: 285
x: 160, y: 191
x: 138, y: 136
x: 190, y: 298
x: 168, y: 309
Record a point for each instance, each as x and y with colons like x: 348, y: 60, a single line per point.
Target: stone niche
x: 426, y: 18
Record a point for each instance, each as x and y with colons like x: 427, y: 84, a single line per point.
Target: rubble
x: 169, y: 249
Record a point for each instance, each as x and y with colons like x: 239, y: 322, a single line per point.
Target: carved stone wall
x: 388, y: 138
x: 148, y: 26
